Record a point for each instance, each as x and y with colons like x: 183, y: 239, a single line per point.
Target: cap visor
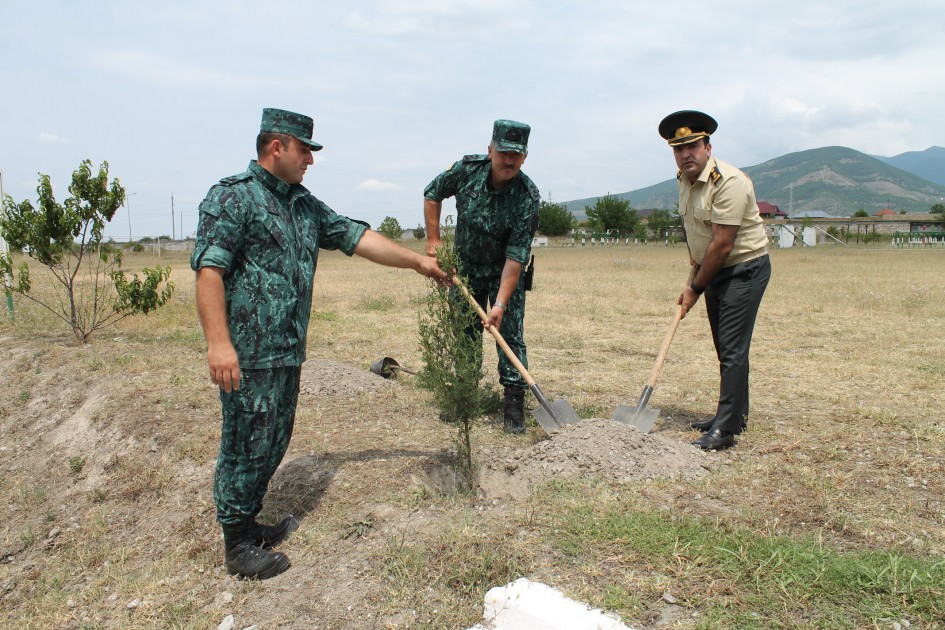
x: 314, y: 146
x: 513, y: 147
x: 675, y: 142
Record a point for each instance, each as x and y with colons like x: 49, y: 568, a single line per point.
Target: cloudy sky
x: 170, y: 92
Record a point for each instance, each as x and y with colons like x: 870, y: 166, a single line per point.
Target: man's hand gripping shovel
x: 551, y: 416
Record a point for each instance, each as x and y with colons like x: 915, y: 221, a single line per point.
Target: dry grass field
x: 828, y: 514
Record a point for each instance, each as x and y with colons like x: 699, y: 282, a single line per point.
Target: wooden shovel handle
x: 495, y: 333
x: 664, y: 349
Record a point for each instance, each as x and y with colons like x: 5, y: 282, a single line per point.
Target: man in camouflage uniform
x: 497, y: 216
x: 257, y: 247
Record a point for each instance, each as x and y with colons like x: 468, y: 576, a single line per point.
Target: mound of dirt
x: 596, y: 447
x: 331, y: 379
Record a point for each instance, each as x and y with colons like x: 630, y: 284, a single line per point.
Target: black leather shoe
x: 249, y: 561
x: 514, y: 412
x: 268, y: 536
x: 703, y: 425
x: 715, y: 439
x: 245, y: 559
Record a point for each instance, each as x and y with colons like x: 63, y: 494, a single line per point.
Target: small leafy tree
x: 67, y: 238
x: 452, y: 360
x: 390, y: 227
x: 554, y: 219
x: 662, y: 222
x: 612, y: 213
x: 938, y: 208
x: 861, y: 213
x: 419, y: 233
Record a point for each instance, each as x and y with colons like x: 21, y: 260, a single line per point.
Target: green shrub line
x: 757, y: 580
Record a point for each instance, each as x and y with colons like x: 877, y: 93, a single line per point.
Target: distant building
x: 813, y: 214
x: 885, y: 212
x: 770, y: 211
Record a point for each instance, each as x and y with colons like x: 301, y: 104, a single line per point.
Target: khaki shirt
x: 722, y: 194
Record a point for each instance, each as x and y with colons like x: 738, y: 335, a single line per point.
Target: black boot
x: 268, y: 536
x: 514, y: 410
x: 245, y: 559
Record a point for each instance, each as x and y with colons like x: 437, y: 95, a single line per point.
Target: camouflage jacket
x: 491, y: 225
x: 266, y: 235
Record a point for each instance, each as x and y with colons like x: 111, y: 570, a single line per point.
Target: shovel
x: 641, y: 416
x: 550, y: 416
x: 385, y: 367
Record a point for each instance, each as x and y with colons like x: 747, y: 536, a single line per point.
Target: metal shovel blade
x: 556, y: 415
x: 387, y: 366
x: 642, y: 419
x: 382, y: 367
x: 564, y: 412
x: 545, y: 419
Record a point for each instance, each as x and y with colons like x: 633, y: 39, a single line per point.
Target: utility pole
x: 128, y: 207
x: 7, y: 278
x: 172, y: 218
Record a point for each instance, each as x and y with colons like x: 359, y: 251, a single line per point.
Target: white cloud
x: 441, y: 19
x: 400, y: 89
x: 375, y: 184
x: 49, y: 138
x: 165, y: 70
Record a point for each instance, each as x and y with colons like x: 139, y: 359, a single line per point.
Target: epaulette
x: 678, y: 174
x: 532, y: 189
x: 478, y: 157
x: 233, y: 179
x: 716, y: 175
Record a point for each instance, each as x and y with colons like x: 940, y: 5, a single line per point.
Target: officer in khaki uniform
x: 497, y: 216
x: 258, y: 238
x: 728, y: 244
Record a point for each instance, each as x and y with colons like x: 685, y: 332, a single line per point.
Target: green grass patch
x: 589, y: 410
x: 452, y: 572
x: 739, y: 578
x: 324, y: 316
x: 382, y: 303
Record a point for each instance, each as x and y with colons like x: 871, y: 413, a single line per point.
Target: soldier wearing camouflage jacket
x: 257, y: 246
x: 497, y: 216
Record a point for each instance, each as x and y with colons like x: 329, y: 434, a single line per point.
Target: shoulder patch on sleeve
x: 533, y: 190
x: 533, y: 223
x: 233, y: 179
x: 716, y: 175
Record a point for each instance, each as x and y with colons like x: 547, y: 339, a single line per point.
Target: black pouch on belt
x: 529, y: 274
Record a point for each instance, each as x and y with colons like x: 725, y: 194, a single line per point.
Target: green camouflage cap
x: 509, y: 135
x: 298, y: 126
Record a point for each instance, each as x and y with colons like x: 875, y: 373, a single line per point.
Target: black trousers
x: 732, y: 301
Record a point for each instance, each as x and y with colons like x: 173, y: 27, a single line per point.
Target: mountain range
x: 835, y: 180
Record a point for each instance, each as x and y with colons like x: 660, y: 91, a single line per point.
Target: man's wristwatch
x: 696, y: 289
x: 498, y: 304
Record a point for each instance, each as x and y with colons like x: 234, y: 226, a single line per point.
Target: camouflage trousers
x: 257, y: 426
x: 512, y: 328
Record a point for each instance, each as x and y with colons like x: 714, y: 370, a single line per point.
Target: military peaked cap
x: 687, y: 126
